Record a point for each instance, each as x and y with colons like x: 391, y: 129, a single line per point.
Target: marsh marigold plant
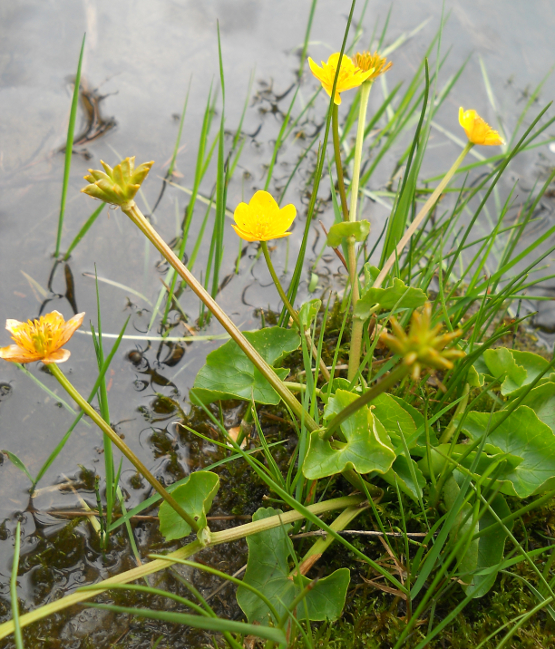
x: 477, y: 130
x: 41, y: 340
x: 350, y: 76
x: 262, y: 219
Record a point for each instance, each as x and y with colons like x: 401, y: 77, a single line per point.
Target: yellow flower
x: 477, y: 130
x: 368, y: 61
x: 40, y: 340
x: 262, y: 219
x: 349, y: 75
x: 422, y: 347
x: 119, y: 185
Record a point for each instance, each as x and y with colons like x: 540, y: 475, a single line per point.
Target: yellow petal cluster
x: 40, y: 340
x: 422, y: 347
x: 262, y: 219
x: 368, y: 61
x: 350, y: 76
x: 477, y: 130
x: 119, y: 185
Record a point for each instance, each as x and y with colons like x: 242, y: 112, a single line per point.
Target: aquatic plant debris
x: 350, y: 76
x: 42, y: 339
x: 262, y: 219
x: 477, y: 130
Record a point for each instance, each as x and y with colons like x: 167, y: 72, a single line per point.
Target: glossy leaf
x: 366, y: 448
x: 268, y: 570
x: 515, y: 369
x: 542, y: 401
x: 229, y: 374
x: 407, y: 475
x: 529, y: 444
x: 341, y: 231
x: 398, y: 295
x: 308, y: 312
x: 195, y: 496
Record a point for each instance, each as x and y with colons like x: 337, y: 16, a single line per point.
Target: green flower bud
x: 422, y: 346
x: 119, y: 185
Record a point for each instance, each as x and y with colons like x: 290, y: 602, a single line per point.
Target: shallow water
x: 142, y: 57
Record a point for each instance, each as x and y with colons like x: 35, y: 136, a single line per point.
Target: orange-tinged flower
x: 349, y: 75
x: 368, y: 61
x: 477, y: 130
x: 262, y: 219
x: 40, y: 340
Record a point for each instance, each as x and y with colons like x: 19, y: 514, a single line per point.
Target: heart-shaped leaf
x: 516, y: 369
x: 268, y: 571
x: 366, y: 448
x: 229, y: 374
x: 195, y: 496
x: 398, y: 295
x: 524, y: 437
x: 341, y: 231
x: 542, y: 401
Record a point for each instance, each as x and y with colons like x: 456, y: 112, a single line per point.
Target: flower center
x: 38, y: 337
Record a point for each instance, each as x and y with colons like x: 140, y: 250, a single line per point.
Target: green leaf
x: 525, y: 437
x: 308, y: 312
x: 410, y: 479
x: 268, y: 571
x: 464, y: 526
x: 396, y: 415
x: 195, y: 496
x: 12, y: 457
x: 491, y: 547
x: 517, y: 369
x: 399, y: 295
x: 542, y: 401
x: 229, y: 374
x: 501, y: 363
x: 340, y: 231
x: 366, y: 448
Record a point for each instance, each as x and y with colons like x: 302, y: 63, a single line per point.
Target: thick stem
x: 356, y: 332
x: 393, y: 377
x: 144, y: 226
x: 291, y: 310
x: 107, y: 430
x: 338, y: 163
x: 396, y: 254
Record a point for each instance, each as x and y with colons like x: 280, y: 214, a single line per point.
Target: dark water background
x: 142, y: 55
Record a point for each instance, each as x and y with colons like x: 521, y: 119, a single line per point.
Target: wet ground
x: 139, y: 61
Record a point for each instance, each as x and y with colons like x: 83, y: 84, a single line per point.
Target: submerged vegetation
x: 384, y: 454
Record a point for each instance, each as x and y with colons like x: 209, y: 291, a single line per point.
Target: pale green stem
x: 356, y: 332
x: 321, y: 545
x: 389, y: 381
x: 273, y: 379
x: 396, y: 254
x: 291, y: 310
x: 107, y: 430
x: 216, y: 538
x: 448, y: 432
x: 338, y: 163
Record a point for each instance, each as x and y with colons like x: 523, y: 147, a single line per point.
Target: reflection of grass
x: 466, y: 256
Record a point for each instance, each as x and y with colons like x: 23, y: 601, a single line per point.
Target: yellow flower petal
x: 40, y: 339
x: 16, y: 354
x: 262, y: 219
x: 59, y: 356
x: 350, y: 76
x: 477, y: 130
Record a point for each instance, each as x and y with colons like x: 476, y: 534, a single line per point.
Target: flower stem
x: 292, y: 312
x: 390, y: 380
x: 421, y: 216
x: 356, y: 332
x: 273, y: 379
x: 107, y: 430
x: 338, y: 163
